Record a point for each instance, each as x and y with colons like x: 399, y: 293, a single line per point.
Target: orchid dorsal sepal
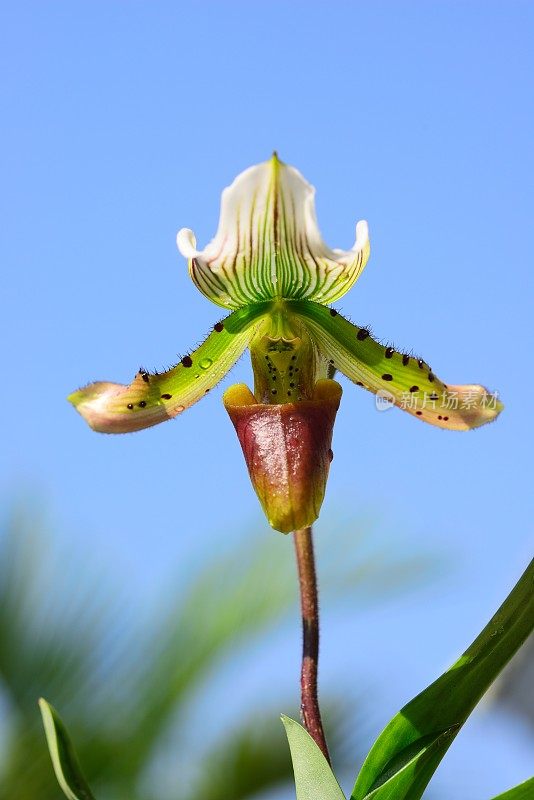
x: 406, y: 381
x: 154, y: 398
x: 268, y: 244
x: 288, y: 450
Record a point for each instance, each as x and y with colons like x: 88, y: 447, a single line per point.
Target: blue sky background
x: 123, y: 121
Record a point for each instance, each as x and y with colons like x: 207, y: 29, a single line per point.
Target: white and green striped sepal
x: 268, y: 244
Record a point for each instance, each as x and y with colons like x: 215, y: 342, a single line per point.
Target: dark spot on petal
x: 433, y: 396
x: 218, y: 327
x: 405, y: 360
x: 330, y: 455
x: 130, y: 406
x: 420, y: 363
x: 333, y: 312
x: 389, y: 352
x: 418, y: 413
x: 289, y: 394
x: 362, y: 334
x: 144, y: 375
x: 292, y: 385
x: 439, y: 416
x: 166, y: 396
x: 187, y: 361
x: 445, y: 419
x: 414, y: 388
x: 273, y: 391
x: 207, y: 390
x: 142, y: 403
x: 387, y: 377
x: 293, y: 358
x: 359, y: 383
x: 431, y: 377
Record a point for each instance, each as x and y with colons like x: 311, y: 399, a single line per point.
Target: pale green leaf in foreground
x: 525, y: 791
x: 66, y: 766
x: 410, y: 748
x: 314, y: 779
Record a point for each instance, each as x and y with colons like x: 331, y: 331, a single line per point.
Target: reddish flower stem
x: 309, y: 602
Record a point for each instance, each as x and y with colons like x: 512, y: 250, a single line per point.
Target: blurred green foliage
x: 125, y: 686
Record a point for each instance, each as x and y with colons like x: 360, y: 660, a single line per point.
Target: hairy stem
x: 309, y: 602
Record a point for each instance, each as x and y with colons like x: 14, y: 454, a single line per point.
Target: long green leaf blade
x: 408, y: 751
x: 64, y: 760
x: 525, y: 791
x: 314, y: 778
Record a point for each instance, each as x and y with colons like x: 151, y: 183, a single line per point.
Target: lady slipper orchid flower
x: 269, y: 266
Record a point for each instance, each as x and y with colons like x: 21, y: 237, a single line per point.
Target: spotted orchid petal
x: 399, y: 379
x: 153, y: 398
x: 268, y: 244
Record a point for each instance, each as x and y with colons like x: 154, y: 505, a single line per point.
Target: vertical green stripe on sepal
x: 314, y: 779
x: 410, y: 748
x: 398, y: 378
x: 268, y: 244
x: 154, y: 398
x: 64, y: 760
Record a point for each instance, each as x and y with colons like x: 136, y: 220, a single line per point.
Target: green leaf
x: 64, y: 760
x: 408, y: 751
x: 313, y: 777
x: 525, y: 791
